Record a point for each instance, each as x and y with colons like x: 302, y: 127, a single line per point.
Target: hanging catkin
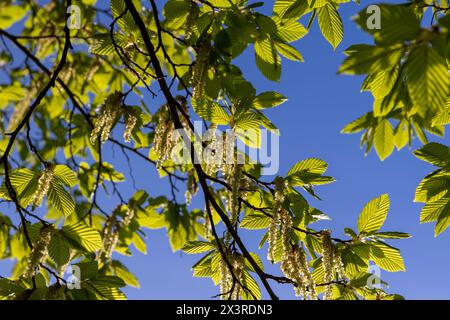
x: 40, y: 250
x: 111, y: 109
x: 200, y: 69
x: 44, y: 184
x: 273, y: 229
x: 327, y: 262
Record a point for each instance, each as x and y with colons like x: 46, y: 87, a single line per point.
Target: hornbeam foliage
x: 81, y: 79
x: 407, y: 72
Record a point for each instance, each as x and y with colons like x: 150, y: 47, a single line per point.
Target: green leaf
x: 139, y: 243
x: 252, y: 285
x: 24, y: 182
x: 443, y: 116
x: 203, y: 267
x: 268, y: 99
x: 59, y: 249
x: 194, y: 247
x: 310, y: 165
x: 443, y: 222
x: 267, y: 59
x: 373, y: 214
x: 60, y: 198
x: 392, y: 235
x: 288, y: 51
x: 103, y: 44
x: 383, y: 139
x: 10, y: 14
x: 358, y: 124
x: 309, y: 172
x: 106, y: 292
x: 433, y: 210
x: 255, y: 221
x: 257, y: 260
x: 210, y: 111
x: 434, y: 153
x: 387, y: 257
x: 433, y: 187
x: 290, y: 9
x: 248, y: 120
x: 401, y: 134
x: 126, y: 22
x: 381, y: 83
x: 12, y: 93
x: 85, y: 236
x: 398, y: 23
x: 363, y: 58
x: 290, y: 30
x: 122, y: 272
x: 330, y: 24
x: 176, y: 12
x: 428, y: 79
x: 108, y: 281
x: 9, y: 288
x: 65, y: 175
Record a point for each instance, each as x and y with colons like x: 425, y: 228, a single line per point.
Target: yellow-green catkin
x: 235, y: 180
x: 230, y: 287
x: 200, y: 69
x: 226, y: 279
x: 212, y: 156
x: 44, y: 183
x: 130, y: 124
x: 163, y: 142
x: 273, y: 227
x: 110, y: 235
x: 305, y: 273
x: 327, y: 262
x: 291, y: 269
x: 289, y: 261
x: 129, y: 215
x: 338, y: 264
x: 40, y: 251
x: 238, y: 269
x: 111, y: 109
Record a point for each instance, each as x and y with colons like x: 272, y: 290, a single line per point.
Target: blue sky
x: 320, y: 104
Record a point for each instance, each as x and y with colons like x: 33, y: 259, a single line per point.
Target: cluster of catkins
x: 111, y: 230
x: 44, y: 183
x: 163, y: 142
x: 40, y: 251
x: 109, y: 113
x: 230, y: 288
x: 200, y: 69
x: 273, y: 227
x: 294, y: 264
x: 331, y: 261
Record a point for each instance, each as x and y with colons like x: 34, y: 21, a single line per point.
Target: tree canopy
x: 159, y: 82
